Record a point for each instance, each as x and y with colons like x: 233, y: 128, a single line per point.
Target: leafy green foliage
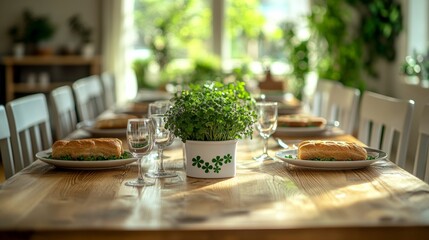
x: 343, y: 49
x: 140, y: 67
x: 245, y: 23
x: 125, y: 155
x: 381, y: 23
x: 298, y: 57
x: 78, y: 27
x: 167, y: 25
x: 212, y: 111
x: 205, y: 69
x: 369, y: 157
x: 339, y: 49
x: 32, y: 29
x: 416, y: 65
x: 37, y: 28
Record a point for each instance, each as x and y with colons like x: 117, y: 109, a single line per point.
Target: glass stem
x: 139, y: 170
x: 265, y: 146
x: 161, y: 160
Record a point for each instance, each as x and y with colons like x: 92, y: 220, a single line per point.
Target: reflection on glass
x: 266, y: 125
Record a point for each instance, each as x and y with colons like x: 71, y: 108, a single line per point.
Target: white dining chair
x: 109, y: 89
x: 421, y: 166
x: 384, y: 122
x: 64, y: 118
x: 320, y: 101
x: 343, y: 106
x: 30, y: 128
x: 5, y: 145
x: 88, y: 94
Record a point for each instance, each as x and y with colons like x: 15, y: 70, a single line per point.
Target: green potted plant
x: 32, y: 31
x: 15, y: 34
x: 210, y: 118
x: 85, y: 33
x: 416, y: 68
x: 140, y: 68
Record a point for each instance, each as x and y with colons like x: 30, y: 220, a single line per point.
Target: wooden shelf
x: 32, y: 88
x: 14, y: 65
x: 51, y: 60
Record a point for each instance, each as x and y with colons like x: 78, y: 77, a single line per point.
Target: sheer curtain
x: 118, y: 36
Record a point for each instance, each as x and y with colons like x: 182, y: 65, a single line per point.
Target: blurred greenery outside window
x: 175, y: 38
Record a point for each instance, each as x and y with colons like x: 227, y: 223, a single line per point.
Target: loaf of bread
x: 300, y: 120
x: 330, y: 151
x: 115, y: 121
x: 84, y: 148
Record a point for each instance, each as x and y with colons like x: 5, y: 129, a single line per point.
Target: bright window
x: 236, y: 31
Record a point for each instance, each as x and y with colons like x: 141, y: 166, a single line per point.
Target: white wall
x: 58, y: 11
x: 415, y: 36
x: 418, y: 26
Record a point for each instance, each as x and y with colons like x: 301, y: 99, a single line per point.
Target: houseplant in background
x: 210, y: 118
x: 416, y: 68
x: 298, y: 57
x: 15, y: 33
x: 343, y: 47
x: 84, y: 32
x: 33, y: 30
x: 37, y: 30
x: 140, y: 67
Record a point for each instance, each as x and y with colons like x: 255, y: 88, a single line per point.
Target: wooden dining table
x: 265, y: 200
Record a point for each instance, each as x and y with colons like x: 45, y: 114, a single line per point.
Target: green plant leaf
x: 212, y: 111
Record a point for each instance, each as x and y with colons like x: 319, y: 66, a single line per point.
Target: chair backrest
x: 88, y: 94
x: 30, y: 128
x: 343, y: 106
x: 421, y: 166
x: 109, y: 89
x: 63, y: 111
x: 380, y: 118
x: 5, y: 145
x: 321, y: 97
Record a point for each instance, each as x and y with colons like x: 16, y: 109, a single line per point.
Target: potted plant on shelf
x: 84, y: 32
x: 15, y: 34
x: 32, y: 31
x: 210, y: 118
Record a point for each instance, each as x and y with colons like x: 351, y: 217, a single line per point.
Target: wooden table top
x: 270, y: 200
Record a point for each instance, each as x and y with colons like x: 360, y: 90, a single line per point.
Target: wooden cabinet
x: 31, y: 74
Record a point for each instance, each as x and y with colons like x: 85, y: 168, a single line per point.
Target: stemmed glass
x: 163, y: 138
x: 266, y: 125
x: 158, y: 107
x: 140, y: 139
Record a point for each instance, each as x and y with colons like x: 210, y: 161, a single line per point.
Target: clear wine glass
x: 140, y: 139
x: 158, y: 107
x: 266, y: 125
x: 163, y: 138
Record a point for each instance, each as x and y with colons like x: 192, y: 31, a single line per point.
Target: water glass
x: 140, y: 139
x: 266, y: 125
x: 163, y: 139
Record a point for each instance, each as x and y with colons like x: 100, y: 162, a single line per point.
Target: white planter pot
x: 88, y: 50
x: 210, y: 159
x: 18, y: 50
